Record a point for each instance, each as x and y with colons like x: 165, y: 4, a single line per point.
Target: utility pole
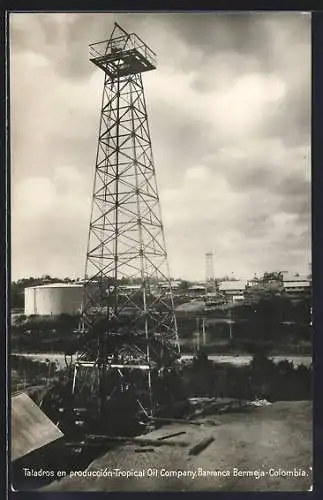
x: 198, y: 334
x: 230, y: 324
x: 203, y: 331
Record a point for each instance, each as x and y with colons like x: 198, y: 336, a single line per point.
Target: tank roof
x: 58, y: 285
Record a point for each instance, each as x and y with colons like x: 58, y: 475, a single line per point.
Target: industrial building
x: 125, y: 289
x: 53, y: 299
x: 165, y: 285
x: 196, y: 291
x: 232, y: 290
x: 296, y: 285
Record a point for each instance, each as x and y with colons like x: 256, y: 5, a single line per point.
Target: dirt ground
x: 265, y: 449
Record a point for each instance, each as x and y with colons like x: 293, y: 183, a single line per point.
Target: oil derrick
x: 209, y: 267
x: 128, y: 333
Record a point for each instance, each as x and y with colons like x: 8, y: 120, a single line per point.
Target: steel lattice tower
x: 209, y: 267
x: 127, y: 321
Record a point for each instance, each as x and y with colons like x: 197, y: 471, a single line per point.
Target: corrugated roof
x: 197, y: 287
x: 232, y: 285
x: 296, y: 284
x: 31, y: 428
x: 292, y: 277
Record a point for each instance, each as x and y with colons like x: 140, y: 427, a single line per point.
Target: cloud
x: 229, y: 114
x: 238, y: 109
x: 53, y: 216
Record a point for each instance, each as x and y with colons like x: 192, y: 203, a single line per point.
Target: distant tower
x: 128, y: 326
x: 209, y: 267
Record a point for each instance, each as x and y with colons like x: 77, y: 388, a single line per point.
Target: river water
x: 239, y: 360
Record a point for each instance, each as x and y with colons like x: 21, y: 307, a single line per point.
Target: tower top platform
x: 122, y: 54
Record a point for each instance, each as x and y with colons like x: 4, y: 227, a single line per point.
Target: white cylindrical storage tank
x: 53, y: 299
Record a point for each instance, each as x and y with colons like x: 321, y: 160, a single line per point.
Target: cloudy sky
x: 229, y: 110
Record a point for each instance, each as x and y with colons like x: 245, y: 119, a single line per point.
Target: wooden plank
x: 175, y: 421
x: 144, y: 450
x: 171, y: 435
x: 93, y: 440
x: 198, y: 448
